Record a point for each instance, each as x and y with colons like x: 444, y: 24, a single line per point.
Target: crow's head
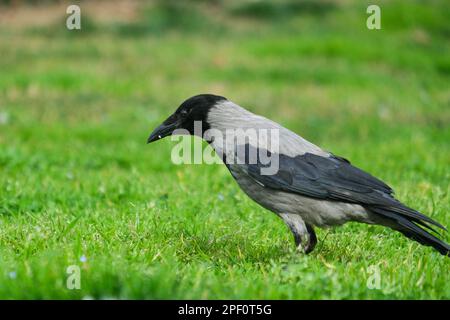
x: 193, y: 109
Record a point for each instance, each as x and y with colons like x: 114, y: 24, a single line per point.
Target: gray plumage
x: 312, y: 187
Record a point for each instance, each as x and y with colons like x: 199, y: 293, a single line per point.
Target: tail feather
x: 415, y: 215
x: 411, y: 228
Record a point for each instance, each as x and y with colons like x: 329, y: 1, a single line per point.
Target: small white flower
x: 220, y: 196
x: 4, y: 117
x: 102, y: 189
x: 83, y: 258
x: 12, y: 275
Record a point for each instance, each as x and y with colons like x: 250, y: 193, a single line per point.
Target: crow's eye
x: 184, y: 112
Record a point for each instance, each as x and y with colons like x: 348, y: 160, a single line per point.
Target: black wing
x: 334, y: 178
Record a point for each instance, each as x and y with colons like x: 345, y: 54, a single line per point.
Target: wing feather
x: 332, y: 178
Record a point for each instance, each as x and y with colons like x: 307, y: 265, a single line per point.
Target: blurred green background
x: 79, y: 186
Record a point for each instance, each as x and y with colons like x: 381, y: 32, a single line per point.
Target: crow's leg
x: 312, y: 238
x: 304, y: 236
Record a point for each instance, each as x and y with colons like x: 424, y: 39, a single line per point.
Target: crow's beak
x: 164, y: 130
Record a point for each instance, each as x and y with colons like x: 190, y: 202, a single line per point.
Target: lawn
x: 79, y: 186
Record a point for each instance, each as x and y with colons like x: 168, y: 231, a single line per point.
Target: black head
x: 193, y: 109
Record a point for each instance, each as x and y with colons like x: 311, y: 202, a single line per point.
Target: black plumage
x: 336, y: 179
x: 310, y: 188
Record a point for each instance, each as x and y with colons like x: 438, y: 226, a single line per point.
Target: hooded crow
x: 310, y: 187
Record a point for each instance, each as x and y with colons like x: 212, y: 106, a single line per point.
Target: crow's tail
x: 410, y: 223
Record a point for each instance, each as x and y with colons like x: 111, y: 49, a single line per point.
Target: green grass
x: 77, y: 179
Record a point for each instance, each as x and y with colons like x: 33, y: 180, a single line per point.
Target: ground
x: 80, y: 187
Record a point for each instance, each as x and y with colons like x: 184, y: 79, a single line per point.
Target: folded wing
x: 335, y: 179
